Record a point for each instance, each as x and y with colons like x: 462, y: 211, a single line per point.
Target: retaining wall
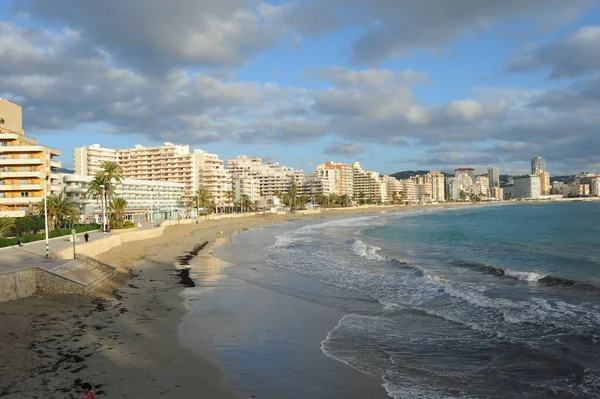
x: 35, y: 280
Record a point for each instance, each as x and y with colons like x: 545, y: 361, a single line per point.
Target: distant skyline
x: 433, y: 84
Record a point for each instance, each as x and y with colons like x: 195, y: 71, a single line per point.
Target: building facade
x: 527, y: 186
x: 88, y: 160
x: 494, y: 176
x: 146, y: 200
x: 28, y: 171
x: 345, y: 184
x: 538, y: 164
x: 368, y: 186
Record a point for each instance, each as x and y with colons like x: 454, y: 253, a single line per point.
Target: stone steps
x: 92, y: 277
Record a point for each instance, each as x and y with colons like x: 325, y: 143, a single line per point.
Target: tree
x: 230, y: 197
x: 245, y: 202
x: 111, y: 173
x: 6, y: 224
x: 293, y: 192
x: 462, y: 195
x: 96, y: 190
x: 28, y: 225
x: 202, y: 198
x: 117, y: 206
x: 61, y: 209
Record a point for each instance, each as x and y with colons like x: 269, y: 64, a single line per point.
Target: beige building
x: 545, y: 186
x: 271, y: 177
x: 214, y: 177
x: 345, y: 179
x: 88, y: 160
x: 368, y: 186
x: 27, y: 169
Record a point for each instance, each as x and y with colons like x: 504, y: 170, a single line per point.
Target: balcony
x: 21, y: 148
x: 20, y: 174
x: 20, y: 201
x: 55, y: 164
x: 20, y: 161
x: 20, y: 187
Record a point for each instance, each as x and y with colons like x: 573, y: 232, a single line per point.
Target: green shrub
x: 128, y: 223
x: 79, y: 228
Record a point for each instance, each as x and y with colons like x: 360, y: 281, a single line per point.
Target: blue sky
x: 395, y: 85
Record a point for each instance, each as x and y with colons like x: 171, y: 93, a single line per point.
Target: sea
x: 467, y: 302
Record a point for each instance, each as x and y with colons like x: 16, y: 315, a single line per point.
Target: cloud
x: 154, y: 34
x: 371, y: 77
x: 347, y: 150
x: 397, y: 28
x: 573, y: 56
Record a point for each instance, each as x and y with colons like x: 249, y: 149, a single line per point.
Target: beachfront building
x: 368, y: 186
x: 215, y: 178
x: 27, y: 170
x: 496, y: 193
x: 88, y: 160
x: 460, y: 187
x: 344, y: 176
x: 272, y: 177
x: 545, y: 186
x: 438, y: 186
x: 481, y: 186
x: 527, y: 186
x: 595, y: 187
x: 395, y: 189
x: 146, y: 200
x: 409, y: 190
x: 167, y: 162
x: 319, y: 183
x: 246, y: 185
x: 494, y: 176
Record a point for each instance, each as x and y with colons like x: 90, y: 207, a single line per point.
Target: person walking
x: 86, y: 236
x: 88, y: 392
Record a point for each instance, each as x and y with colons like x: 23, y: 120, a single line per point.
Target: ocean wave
x: 368, y: 252
x: 532, y: 277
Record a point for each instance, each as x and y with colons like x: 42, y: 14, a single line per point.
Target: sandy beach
x: 125, y: 338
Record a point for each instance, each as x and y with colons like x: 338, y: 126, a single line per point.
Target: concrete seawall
x: 36, y: 280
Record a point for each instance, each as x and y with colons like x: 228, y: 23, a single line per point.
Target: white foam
x: 368, y: 252
x: 524, y: 276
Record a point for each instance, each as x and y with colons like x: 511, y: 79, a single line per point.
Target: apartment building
x: 319, y: 183
x: 345, y: 182
x: 246, y: 185
x: 494, y: 176
x: 146, y: 200
x: 438, y: 186
x: 27, y: 169
x: 88, y: 160
x: 368, y: 185
x: 481, y: 186
x: 527, y: 186
x: 214, y: 177
x: 545, y: 186
x: 595, y: 186
x: 272, y: 177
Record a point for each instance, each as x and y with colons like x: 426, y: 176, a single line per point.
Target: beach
x: 124, y: 339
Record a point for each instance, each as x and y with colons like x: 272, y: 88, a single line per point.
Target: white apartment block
x: 88, y: 160
x: 319, y: 183
x: 595, y: 187
x: 481, y: 186
x: 395, y: 189
x: 438, y: 186
x: 409, y: 190
x: 146, y: 200
x: 272, y: 177
x: 527, y: 186
x: 368, y: 185
x: 214, y: 177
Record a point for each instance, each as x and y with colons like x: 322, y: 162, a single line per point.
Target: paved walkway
x: 34, y: 253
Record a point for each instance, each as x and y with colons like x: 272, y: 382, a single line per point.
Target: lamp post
x: 46, y: 217
x: 104, y: 210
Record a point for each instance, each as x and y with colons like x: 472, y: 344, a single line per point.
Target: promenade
x: 33, y: 254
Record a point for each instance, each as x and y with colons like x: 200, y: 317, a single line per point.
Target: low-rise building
x: 146, y: 200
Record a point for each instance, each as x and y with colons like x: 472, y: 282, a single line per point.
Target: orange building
x: 26, y: 168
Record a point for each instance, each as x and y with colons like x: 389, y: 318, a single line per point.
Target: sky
x: 393, y: 84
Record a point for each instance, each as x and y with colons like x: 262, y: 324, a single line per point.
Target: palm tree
x: 6, y: 224
x: 117, y: 206
x: 245, y: 202
x: 112, y: 172
x: 202, y: 198
x: 230, y: 197
x: 60, y: 208
x: 292, y: 193
x: 96, y: 190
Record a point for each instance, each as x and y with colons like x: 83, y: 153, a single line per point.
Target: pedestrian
x: 87, y: 237
x: 88, y: 392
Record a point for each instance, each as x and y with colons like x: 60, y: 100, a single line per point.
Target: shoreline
x: 125, y: 338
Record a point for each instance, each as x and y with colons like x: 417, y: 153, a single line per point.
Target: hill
x: 410, y: 173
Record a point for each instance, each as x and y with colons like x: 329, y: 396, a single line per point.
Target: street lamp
x: 104, y: 210
x: 46, y: 217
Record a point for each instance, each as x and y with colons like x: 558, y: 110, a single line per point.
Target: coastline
x: 125, y: 339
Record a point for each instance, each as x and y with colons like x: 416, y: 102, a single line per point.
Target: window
x: 24, y: 194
